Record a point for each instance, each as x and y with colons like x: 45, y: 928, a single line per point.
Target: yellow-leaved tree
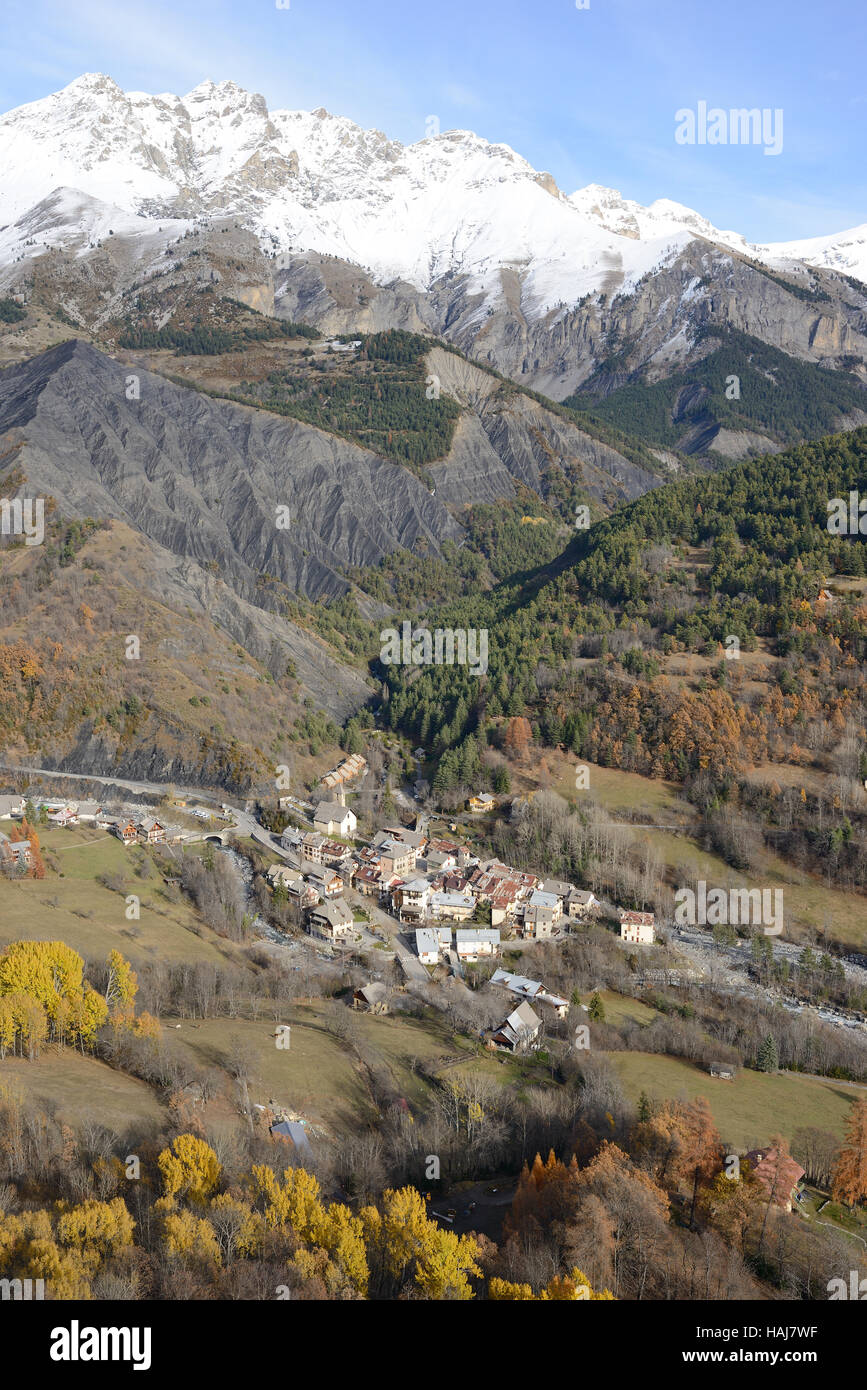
x: 190, y: 1235
x: 189, y: 1169
x: 411, y: 1246
x: 568, y: 1288
x: 43, y: 982
x: 294, y: 1203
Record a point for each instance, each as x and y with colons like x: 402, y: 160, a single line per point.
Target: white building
x: 330, y: 818
x: 637, y: 927
x: 430, y: 942
x: 452, y: 907
x: 478, y: 941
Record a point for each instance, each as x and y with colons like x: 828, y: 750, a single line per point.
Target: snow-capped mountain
x: 316, y: 182
x: 353, y: 231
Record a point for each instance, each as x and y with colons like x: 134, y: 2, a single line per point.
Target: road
x: 245, y: 823
x: 412, y: 966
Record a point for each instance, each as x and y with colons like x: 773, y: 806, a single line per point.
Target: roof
x: 464, y: 938
x: 521, y: 1022
x: 285, y: 872
x: 294, y: 1130
x: 395, y: 849
x: 331, y: 810
x: 518, y: 984
x: 416, y: 885
x: 426, y: 940
x: 439, y: 856
x: 540, y: 899
x: 453, y: 900
x: 413, y: 838
x: 582, y: 895
x: 778, y: 1173
x: 369, y: 873
x: 322, y: 873
x: 335, y: 911
x: 13, y: 846
x: 636, y: 919
x: 373, y: 993
x: 334, y: 848
x: 523, y: 1017
x: 557, y: 886
x: 539, y: 916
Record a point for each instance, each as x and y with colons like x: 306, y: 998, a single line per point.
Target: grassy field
x: 619, y: 1008
x: 619, y: 791
x: 70, y: 905
x: 321, y: 1076
x: 818, y: 1210
x: 809, y: 903
x: 747, y: 1110
x: 78, y: 1089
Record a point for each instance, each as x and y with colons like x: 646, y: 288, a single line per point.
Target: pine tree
x: 596, y: 1009
x: 769, y: 1057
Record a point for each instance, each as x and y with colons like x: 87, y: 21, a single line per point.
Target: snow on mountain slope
x: 309, y: 181
x: 843, y: 251
x: 71, y: 220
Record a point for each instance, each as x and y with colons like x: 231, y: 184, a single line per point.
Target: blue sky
x: 589, y: 95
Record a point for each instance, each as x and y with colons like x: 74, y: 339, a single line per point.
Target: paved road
x: 412, y: 966
x: 244, y: 822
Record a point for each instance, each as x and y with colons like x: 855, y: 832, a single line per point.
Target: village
x: 436, y: 902
x: 426, y: 896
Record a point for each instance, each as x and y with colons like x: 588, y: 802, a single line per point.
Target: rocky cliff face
x: 232, y: 511
x: 243, y: 493
x: 254, y: 498
x: 652, y: 328
x: 506, y: 438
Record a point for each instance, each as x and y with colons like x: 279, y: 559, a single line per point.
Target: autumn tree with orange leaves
x: 849, y: 1183
x: 26, y: 831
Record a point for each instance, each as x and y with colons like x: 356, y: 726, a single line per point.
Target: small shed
x: 371, y: 999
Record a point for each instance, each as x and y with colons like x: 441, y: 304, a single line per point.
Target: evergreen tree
x: 769, y: 1057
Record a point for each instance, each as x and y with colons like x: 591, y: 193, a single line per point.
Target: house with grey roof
x: 452, y: 907
x: 430, y: 942
x: 330, y: 818
x: 471, y: 943
x: 331, y: 919
x: 531, y: 990
x: 520, y: 1031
